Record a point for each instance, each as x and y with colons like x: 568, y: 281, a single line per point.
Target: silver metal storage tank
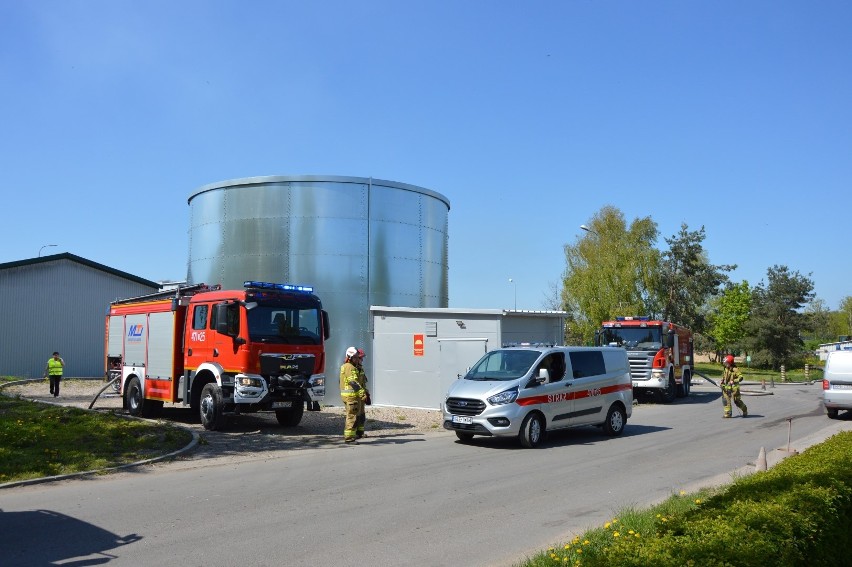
x: 358, y: 241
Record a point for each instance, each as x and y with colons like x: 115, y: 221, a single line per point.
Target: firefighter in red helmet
x: 731, y: 378
x: 361, y: 421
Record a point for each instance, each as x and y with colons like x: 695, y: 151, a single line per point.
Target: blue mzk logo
x: 134, y: 333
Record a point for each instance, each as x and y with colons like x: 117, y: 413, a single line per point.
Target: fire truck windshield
x: 642, y: 338
x: 282, y: 323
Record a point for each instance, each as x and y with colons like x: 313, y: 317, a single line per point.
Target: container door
x: 455, y: 359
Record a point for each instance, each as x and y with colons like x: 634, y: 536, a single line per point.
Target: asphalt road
x: 396, y: 500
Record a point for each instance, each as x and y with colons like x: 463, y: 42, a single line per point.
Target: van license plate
x: 462, y: 419
x: 841, y: 386
x: 276, y: 405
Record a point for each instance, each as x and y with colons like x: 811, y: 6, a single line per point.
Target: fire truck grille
x: 290, y: 364
x: 640, y: 366
x: 465, y: 406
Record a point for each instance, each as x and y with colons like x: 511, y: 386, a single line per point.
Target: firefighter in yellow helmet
x: 731, y: 378
x: 351, y: 393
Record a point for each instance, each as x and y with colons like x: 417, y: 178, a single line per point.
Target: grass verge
x: 39, y: 440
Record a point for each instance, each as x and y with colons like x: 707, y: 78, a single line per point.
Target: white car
x: 837, y: 382
x: 525, y: 392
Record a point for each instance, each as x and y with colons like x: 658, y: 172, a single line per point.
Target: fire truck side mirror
x: 669, y: 339
x: 326, y: 328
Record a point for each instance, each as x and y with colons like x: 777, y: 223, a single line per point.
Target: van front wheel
x: 616, y: 419
x: 532, y: 431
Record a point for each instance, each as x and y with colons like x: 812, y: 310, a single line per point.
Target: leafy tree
x: 611, y: 270
x: 776, y: 322
x: 846, y: 309
x: 688, y: 280
x: 819, y: 321
x: 732, y: 313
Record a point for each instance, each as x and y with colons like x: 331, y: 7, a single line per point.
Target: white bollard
x: 761, y: 461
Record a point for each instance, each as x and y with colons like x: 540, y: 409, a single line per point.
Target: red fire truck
x: 659, y: 352
x: 220, y: 352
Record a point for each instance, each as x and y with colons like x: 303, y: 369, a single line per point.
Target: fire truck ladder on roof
x: 169, y: 293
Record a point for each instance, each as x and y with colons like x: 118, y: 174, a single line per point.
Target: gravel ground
x: 250, y: 435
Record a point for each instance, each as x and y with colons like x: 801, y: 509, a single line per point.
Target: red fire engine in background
x: 221, y: 352
x: 659, y: 352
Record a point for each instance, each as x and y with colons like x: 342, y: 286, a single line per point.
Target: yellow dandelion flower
x: 698, y: 500
x: 664, y: 519
x: 586, y: 542
x: 567, y: 546
x: 579, y: 550
x: 659, y: 515
x: 683, y: 492
x: 631, y: 532
x: 615, y: 520
x: 615, y: 534
x: 636, y: 534
x: 607, y: 525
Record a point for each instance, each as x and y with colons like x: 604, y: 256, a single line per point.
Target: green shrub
x: 797, y: 513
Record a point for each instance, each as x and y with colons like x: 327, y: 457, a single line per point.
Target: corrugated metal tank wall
x: 358, y: 241
x: 57, y: 305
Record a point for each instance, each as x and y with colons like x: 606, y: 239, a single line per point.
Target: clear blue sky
x: 528, y: 116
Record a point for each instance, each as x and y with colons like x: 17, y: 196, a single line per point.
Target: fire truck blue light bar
x: 278, y: 286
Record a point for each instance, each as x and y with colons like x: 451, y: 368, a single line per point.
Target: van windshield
x: 503, y: 365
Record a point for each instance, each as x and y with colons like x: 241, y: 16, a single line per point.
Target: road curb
x: 191, y: 445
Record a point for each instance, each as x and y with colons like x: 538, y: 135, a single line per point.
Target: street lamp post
x: 587, y: 229
x: 45, y: 246
x: 514, y: 283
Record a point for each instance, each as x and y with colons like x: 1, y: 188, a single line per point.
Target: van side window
x: 555, y: 365
x: 587, y: 363
x: 199, y: 317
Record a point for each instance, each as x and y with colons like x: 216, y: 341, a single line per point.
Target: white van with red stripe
x: 524, y: 392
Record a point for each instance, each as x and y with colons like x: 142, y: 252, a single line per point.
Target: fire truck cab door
x: 199, y: 335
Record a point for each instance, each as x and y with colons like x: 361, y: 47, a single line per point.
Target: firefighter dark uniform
x: 53, y: 371
x: 352, y: 394
x: 731, y: 378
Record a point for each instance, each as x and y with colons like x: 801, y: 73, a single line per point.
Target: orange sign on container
x: 418, y: 345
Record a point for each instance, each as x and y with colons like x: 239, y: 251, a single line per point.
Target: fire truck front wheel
x: 292, y: 416
x: 668, y: 394
x: 211, y: 408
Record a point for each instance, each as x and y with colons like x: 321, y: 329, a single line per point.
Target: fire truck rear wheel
x: 683, y: 389
x: 133, y: 396
x: 292, y: 416
x: 211, y: 408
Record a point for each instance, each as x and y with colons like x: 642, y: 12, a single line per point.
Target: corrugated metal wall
x: 358, y: 241
x: 57, y: 305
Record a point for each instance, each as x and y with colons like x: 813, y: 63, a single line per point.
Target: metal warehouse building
x: 418, y: 353
x: 358, y: 241
x: 58, y: 303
